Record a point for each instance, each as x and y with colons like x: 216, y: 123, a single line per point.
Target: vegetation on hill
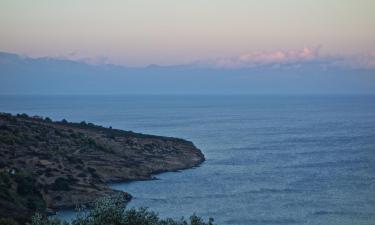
x: 111, y: 211
x: 19, y: 197
x: 51, y: 165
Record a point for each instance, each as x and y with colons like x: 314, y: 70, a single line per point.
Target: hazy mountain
x: 24, y: 75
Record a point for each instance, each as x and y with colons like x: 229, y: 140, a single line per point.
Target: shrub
x: 5, y: 185
x: 111, y: 211
x: 25, y: 183
x: 9, y: 138
x: 61, y: 184
x: 38, y: 219
x: 4, y: 221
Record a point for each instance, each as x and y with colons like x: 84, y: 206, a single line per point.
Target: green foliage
x: 4, y: 221
x: 91, y: 143
x: 61, y: 184
x: 38, y: 219
x: 5, y: 185
x: 9, y: 138
x: 25, y: 183
x: 19, y: 191
x: 105, y: 211
x: 111, y: 211
x: 28, y: 191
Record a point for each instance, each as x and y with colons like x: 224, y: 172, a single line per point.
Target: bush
x: 38, y: 219
x: 5, y: 185
x: 111, y: 211
x: 25, y: 183
x: 8, y: 138
x: 4, y: 221
x: 61, y: 184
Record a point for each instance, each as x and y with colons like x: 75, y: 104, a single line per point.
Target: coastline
x: 68, y: 213
x: 127, y: 196
x: 73, y: 163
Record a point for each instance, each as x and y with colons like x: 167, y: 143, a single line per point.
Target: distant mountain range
x: 25, y: 75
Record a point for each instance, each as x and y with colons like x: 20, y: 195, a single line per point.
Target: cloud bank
x: 293, y: 59
x: 79, y: 56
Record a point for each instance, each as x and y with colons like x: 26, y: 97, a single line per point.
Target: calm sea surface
x: 270, y: 159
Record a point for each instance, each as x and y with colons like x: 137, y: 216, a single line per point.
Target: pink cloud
x: 259, y: 58
x: 82, y: 57
x: 294, y: 59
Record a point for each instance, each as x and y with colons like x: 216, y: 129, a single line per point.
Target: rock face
x: 72, y: 162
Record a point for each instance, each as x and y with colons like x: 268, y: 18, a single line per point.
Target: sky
x: 168, y: 32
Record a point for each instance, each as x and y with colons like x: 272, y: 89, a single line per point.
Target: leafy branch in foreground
x: 111, y: 211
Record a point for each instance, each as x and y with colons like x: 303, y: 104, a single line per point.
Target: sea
x: 270, y: 159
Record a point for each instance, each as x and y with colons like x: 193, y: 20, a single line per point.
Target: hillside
x: 61, y: 164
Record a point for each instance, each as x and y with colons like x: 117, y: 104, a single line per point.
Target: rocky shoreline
x: 72, y: 163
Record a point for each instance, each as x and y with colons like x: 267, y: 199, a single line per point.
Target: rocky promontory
x: 58, y: 164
